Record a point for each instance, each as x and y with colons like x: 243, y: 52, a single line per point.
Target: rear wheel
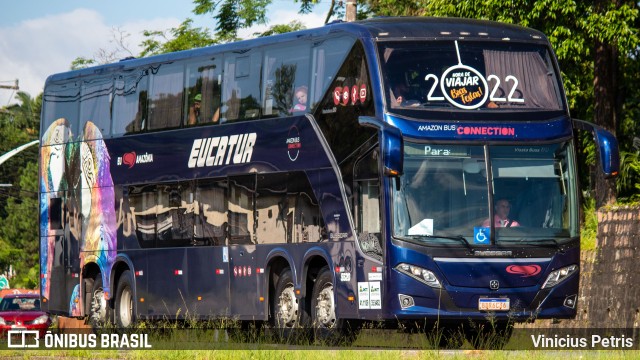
x: 124, y: 307
x: 286, y: 307
x: 99, y: 311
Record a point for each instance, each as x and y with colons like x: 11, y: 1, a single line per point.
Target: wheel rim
x: 325, y: 308
x: 287, y: 307
x: 98, y: 306
x: 125, y: 308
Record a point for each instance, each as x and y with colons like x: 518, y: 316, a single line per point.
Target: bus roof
x: 382, y: 28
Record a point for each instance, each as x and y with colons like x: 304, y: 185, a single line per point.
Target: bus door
x: 242, y: 248
x: 367, y: 191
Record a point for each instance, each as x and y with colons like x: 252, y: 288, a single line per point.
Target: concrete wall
x: 612, y: 292
x: 610, y: 275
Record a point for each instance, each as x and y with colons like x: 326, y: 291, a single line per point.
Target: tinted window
x: 142, y: 200
x: 348, y: 97
x: 203, y: 91
x: 61, y: 101
x: 467, y: 75
x: 287, y: 209
x: 175, y: 216
x: 165, y: 97
x: 241, y: 209
x: 241, y: 86
x: 130, y: 102
x: 286, y: 80
x: 95, y: 105
x: 211, y: 226
x: 327, y: 57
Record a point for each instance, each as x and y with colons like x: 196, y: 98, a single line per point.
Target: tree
x: 19, y: 124
x: 120, y: 49
x: 281, y: 29
x: 232, y: 15
x: 183, y: 37
x: 19, y: 241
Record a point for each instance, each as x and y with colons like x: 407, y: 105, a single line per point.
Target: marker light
x: 420, y: 274
x: 558, y: 276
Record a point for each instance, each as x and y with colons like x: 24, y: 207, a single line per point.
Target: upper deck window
x: 469, y: 76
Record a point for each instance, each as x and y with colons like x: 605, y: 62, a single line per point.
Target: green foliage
x: 281, y: 29
x: 629, y: 179
x: 589, y: 229
x: 232, y: 15
x: 183, y: 37
x: 82, y: 63
x: 19, y: 243
x: 18, y: 125
x: 19, y: 232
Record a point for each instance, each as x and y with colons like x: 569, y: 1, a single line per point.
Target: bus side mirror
x: 391, y: 144
x: 607, y: 145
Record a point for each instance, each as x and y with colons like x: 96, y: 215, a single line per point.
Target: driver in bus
x: 501, y: 215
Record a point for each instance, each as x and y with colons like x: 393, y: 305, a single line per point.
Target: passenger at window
x: 195, y: 112
x: 300, y: 95
x: 501, y: 215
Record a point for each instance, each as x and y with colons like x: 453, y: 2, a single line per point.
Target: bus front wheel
x: 124, y: 307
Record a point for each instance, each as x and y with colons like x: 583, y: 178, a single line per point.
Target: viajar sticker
x: 464, y: 86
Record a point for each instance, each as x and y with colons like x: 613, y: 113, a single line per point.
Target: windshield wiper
x: 548, y: 243
x: 458, y: 238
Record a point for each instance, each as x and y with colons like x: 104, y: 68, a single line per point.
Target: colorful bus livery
x: 428, y: 177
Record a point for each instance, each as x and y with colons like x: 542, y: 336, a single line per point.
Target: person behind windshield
x: 501, y: 215
x: 399, y: 97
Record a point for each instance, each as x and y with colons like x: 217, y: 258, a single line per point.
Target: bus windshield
x: 467, y: 75
x: 444, y: 193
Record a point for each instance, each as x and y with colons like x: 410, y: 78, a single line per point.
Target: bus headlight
x: 2, y: 321
x: 558, y: 276
x: 420, y: 274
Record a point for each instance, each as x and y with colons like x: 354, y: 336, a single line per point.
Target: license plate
x: 489, y: 304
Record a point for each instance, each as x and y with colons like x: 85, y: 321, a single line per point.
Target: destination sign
x: 429, y: 150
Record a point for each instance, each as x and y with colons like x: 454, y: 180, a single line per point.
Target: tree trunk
x: 605, y: 110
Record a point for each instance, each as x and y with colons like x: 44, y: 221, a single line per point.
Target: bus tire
x: 99, y: 310
x: 125, y: 303
x: 288, y: 311
x: 328, y: 328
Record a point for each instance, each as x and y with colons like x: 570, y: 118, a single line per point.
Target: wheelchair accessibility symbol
x: 481, y: 235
